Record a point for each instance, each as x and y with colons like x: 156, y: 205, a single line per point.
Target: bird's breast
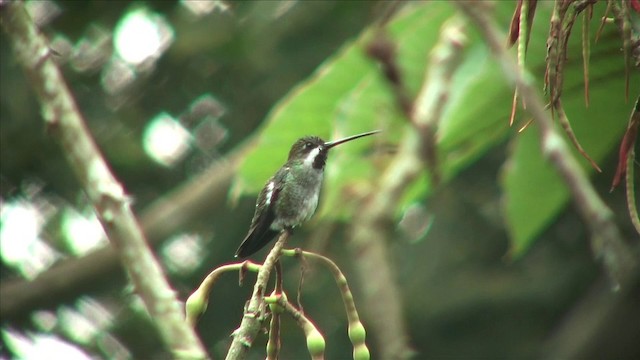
x: 298, y: 199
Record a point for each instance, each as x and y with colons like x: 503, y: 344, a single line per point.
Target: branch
x: 606, y: 241
x: 106, y: 194
x: 274, y: 343
x: 253, y: 315
x: 370, y: 229
x: 315, y: 340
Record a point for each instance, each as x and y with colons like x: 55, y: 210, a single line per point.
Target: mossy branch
x: 65, y: 123
x: 244, y: 336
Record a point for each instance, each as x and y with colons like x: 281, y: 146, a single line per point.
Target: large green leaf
x: 348, y: 94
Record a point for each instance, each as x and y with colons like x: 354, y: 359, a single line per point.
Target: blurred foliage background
x: 170, y: 89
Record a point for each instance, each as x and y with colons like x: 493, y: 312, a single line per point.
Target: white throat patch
x: 308, y: 161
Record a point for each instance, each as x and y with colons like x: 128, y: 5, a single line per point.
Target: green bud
x: 361, y: 352
x: 315, y: 343
x: 195, y: 306
x: 357, y: 333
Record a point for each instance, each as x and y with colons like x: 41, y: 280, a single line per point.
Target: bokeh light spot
x: 82, y: 234
x: 416, y: 222
x: 40, y: 346
x: 165, y: 140
x: 201, y: 8
x: 141, y: 35
x: 20, y: 243
x: 183, y: 253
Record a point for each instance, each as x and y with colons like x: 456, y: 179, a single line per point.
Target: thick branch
x: 106, y: 194
x: 370, y: 229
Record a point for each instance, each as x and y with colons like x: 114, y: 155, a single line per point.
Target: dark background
x: 463, y: 297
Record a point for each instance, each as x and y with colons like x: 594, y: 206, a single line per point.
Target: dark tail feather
x: 255, y: 241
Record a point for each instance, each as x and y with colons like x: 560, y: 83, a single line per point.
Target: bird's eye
x: 308, y: 145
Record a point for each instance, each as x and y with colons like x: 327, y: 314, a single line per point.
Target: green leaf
x: 346, y: 95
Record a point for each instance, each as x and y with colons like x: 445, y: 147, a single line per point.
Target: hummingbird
x: 290, y: 197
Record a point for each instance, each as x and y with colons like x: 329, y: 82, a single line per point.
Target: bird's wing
x: 260, y: 232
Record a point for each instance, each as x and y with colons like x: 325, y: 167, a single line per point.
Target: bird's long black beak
x: 330, y: 144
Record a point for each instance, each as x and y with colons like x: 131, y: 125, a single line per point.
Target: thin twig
x: 586, y: 50
x: 630, y: 39
x: 631, y: 198
x: 315, y: 340
x: 562, y: 21
x: 197, y: 302
x: 357, y: 332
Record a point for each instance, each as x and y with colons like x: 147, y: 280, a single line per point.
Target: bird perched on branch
x: 290, y: 197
